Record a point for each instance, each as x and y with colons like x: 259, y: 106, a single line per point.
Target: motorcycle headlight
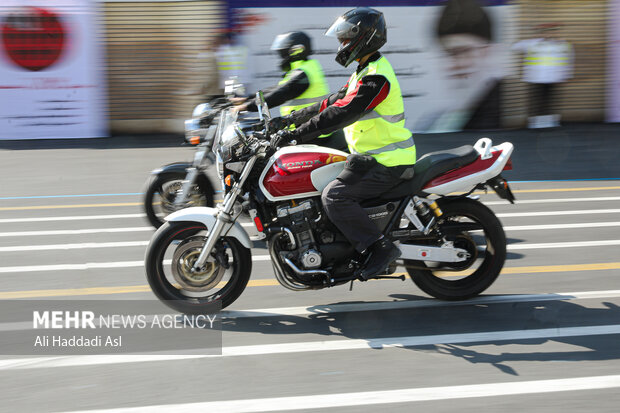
x: 229, y: 137
x: 225, y: 153
x: 220, y: 165
x: 194, y: 134
x: 228, y: 144
x: 201, y: 110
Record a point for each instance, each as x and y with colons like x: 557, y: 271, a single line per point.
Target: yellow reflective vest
x: 381, y: 132
x: 316, y: 92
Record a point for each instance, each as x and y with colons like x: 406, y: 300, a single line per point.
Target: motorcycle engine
x: 301, y: 219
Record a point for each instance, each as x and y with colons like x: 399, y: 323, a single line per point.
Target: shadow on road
x: 460, y: 319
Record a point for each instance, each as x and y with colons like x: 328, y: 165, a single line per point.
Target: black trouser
x: 335, y: 141
x: 342, y: 197
x: 541, y: 95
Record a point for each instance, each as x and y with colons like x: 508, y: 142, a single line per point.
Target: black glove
x: 279, y: 123
x: 282, y: 137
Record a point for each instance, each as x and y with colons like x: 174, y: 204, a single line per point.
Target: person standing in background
x: 547, y: 62
x: 232, y: 60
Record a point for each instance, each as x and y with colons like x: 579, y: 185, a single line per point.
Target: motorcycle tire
x: 172, y: 235
x: 155, y: 186
x: 451, y: 286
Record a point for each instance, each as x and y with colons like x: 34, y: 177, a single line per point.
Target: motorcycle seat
x: 430, y: 166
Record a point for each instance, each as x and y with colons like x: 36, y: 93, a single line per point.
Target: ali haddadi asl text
x: 78, y: 341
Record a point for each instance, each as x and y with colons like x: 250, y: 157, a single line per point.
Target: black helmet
x: 360, y: 31
x: 292, y: 46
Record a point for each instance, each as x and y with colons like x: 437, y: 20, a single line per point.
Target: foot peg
x: 383, y: 277
x: 390, y: 277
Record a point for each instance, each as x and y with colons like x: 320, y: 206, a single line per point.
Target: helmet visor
x: 342, y: 30
x: 280, y: 42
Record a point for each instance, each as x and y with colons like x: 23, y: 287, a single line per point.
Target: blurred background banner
x: 613, y: 104
x: 51, y: 70
x: 449, y: 57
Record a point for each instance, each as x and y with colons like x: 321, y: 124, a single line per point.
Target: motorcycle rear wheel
x: 160, y: 195
x: 487, y: 246
x: 169, y: 259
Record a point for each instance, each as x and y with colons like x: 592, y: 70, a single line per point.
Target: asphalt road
x: 544, y: 337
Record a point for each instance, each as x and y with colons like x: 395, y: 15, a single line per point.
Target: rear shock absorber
x: 428, y: 214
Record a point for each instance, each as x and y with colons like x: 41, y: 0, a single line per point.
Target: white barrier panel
x: 51, y: 72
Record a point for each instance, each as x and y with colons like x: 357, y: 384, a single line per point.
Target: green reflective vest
x: 231, y: 58
x: 381, y: 132
x: 316, y: 92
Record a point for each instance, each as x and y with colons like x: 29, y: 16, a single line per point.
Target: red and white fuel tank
x: 300, y: 171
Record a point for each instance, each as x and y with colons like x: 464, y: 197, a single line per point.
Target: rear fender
x: 208, y: 216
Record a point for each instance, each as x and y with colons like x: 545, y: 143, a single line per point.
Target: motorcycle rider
x: 302, y: 84
x: 370, y: 109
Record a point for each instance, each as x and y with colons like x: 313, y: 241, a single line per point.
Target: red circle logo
x: 33, y: 38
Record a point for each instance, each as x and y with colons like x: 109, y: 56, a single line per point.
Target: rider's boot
x: 382, y: 253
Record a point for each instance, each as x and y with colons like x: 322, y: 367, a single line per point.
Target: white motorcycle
x: 453, y: 247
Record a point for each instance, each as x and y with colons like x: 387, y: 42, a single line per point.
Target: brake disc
x: 183, y: 259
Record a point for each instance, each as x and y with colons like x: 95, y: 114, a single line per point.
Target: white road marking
x: 71, y: 267
x: 74, y: 231
x: 249, y: 224
x: 71, y: 218
x: 366, y: 398
x: 91, y: 245
x: 84, y: 245
x: 150, y: 229
x: 317, y: 346
x: 603, y: 243
x: 562, y: 226
x: 84, y: 218
x: 92, y: 265
x: 556, y: 213
x: 555, y: 200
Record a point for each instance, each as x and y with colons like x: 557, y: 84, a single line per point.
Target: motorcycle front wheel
x: 162, y: 191
x: 169, y: 263
x: 473, y: 227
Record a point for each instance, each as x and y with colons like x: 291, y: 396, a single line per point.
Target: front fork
x: 224, y: 217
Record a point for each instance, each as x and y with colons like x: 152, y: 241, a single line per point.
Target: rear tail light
x: 508, y: 165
